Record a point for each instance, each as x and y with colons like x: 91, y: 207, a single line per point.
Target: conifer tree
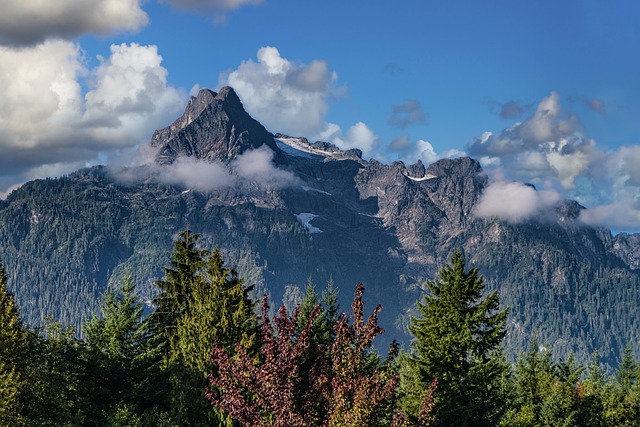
x: 201, y: 302
x: 218, y: 310
x: 14, y: 349
x: 457, y: 340
x: 177, y: 286
x: 122, y: 358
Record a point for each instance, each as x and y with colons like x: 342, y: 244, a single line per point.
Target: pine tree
x: 201, y: 302
x: 14, y: 349
x: 218, y: 310
x: 121, y: 356
x: 177, y: 286
x: 457, y: 340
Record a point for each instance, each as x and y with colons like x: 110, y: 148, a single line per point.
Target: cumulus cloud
x: 29, y: 22
x: 50, y: 124
x: 407, y: 114
x: 293, y: 98
x: 549, y: 143
x: 514, y: 202
x: 358, y: 136
x: 551, y: 148
x: 410, y: 152
x: 285, y: 96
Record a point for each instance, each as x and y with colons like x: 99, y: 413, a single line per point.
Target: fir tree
x: 122, y: 358
x: 177, y: 286
x: 14, y: 349
x: 457, y: 341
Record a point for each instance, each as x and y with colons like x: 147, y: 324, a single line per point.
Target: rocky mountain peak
x: 214, y: 126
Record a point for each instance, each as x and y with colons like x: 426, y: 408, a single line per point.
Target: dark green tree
x: 122, y: 359
x: 458, y: 341
x: 201, y: 302
x: 14, y: 350
x: 176, y: 287
x: 219, y: 309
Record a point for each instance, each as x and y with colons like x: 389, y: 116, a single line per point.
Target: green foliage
x: 201, y: 302
x: 218, y: 310
x: 122, y: 360
x: 457, y: 341
x: 14, y: 349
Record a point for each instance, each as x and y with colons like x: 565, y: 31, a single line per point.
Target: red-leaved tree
x: 343, y: 383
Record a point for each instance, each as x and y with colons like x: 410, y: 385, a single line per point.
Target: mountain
x: 289, y: 210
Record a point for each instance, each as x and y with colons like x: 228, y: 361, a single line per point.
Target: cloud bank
x: 550, y: 149
x: 51, y: 127
x: 251, y: 168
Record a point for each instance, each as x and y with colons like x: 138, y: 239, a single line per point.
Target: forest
x: 210, y: 355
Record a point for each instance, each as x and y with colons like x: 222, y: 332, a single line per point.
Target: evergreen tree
x: 122, y: 358
x: 218, y: 310
x: 14, y: 350
x: 201, y: 302
x: 457, y: 340
x: 177, y: 286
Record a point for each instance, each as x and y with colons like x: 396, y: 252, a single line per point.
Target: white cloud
x: 358, y: 136
x: 293, y: 99
x: 620, y: 214
x: 48, y: 125
x: 253, y: 167
x: 514, y: 202
x: 410, y: 152
x: 257, y: 166
x: 195, y: 174
x: 130, y: 95
x: 550, y: 148
x: 29, y: 22
x: 284, y: 96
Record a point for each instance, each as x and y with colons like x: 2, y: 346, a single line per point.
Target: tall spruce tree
x: 201, y: 302
x: 457, y: 340
x: 177, y: 286
x: 122, y: 357
x: 14, y: 349
x: 218, y: 310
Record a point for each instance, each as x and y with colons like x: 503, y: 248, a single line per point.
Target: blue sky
x: 545, y: 92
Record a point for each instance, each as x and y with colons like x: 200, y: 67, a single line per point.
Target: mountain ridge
x: 343, y: 219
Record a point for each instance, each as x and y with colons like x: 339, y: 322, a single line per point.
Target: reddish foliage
x: 337, y: 388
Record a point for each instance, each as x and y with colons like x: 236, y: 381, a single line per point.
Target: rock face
x: 343, y: 219
x: 214, y: 126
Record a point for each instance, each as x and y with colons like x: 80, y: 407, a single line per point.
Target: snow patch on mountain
x: 424, y: 178
x: 305, y: 218
x: 299, y: 147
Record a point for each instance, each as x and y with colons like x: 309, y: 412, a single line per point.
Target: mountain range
x: 286, y: 211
